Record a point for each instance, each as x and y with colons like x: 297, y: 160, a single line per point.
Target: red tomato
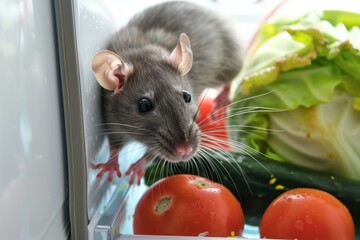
x: 305, y: 213
x: 188, y: 205
x: 212, y: 120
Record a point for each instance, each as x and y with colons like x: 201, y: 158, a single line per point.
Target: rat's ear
x: 110, y: 70
x: 182, y: 56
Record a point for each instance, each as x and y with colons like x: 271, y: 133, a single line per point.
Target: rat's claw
x: 118, y: 173
x: 137, y: 170
x: 100, y: 174
x: 138, y: 175
x: 111, y: 167
x: 99, y: 165
x: 110, y: 176
x: 111, y: 172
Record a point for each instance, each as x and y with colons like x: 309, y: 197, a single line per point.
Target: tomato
x: 188, y: 205
x: 212, y: 120
x: 306, y: 213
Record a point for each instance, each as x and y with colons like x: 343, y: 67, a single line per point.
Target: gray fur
x: 146, y: 43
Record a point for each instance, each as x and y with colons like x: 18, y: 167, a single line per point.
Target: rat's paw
x: 137, y: 170
x: 111, y: 166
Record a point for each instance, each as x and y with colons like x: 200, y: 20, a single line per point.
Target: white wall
x: 33, y: 194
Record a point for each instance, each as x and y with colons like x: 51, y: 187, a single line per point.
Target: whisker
x: 203, y: 158
x: 256, y: 131
x: 247, y: 111
x: 219, y: 132
x: 193, y: 164
x: 155, y: 170
x: 245, y: 149
x: 120, y: 153
x: 178, y: 166
x: 239, y: 146
x: 116, y: 124
x: 209, y: 171
x: 252, y: 97
x: 235, y: 102
x: 199, y: 104
x: 217, y: 154
x: 117, y: 132
x: 242, y: 128
x: 217, y: 136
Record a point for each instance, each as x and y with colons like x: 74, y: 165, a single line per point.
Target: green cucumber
x: 264, y: 180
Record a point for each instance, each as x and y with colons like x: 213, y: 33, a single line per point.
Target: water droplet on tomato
x: 212, y: 217
x: 298, y: 224
x: 197, y: 204
x: 308, y: 219
x: 214, y: 190
x: 192, y: 178
x: 289, y: 200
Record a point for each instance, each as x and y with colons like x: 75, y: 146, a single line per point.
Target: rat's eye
x: 144, y: 105
x: 186, y: 96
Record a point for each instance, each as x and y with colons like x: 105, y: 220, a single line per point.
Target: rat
x: 153, y: 71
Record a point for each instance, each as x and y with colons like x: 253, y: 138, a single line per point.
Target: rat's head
x: 151, y: 99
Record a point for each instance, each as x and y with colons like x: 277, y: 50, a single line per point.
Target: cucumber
x: 256, y: 181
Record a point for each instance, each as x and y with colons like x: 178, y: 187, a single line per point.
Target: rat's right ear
x: 110, y: 70
x: 182, y: 56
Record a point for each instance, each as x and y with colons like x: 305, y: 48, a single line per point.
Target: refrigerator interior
x: 110, y: 206
x: 51, y: 133
x: 50, y: 117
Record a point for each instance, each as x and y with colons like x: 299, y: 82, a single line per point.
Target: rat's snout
x: 183, y: 149
x: 177, y: 143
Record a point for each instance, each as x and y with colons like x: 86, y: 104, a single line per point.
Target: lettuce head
x: 297, y: 98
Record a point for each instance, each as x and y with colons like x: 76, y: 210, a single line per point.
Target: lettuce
x: 301, y: 84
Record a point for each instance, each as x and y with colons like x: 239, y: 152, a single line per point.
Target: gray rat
x: 152, y: 76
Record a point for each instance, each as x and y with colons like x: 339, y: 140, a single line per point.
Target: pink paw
x: 137, y: 170
x: 111, y: 166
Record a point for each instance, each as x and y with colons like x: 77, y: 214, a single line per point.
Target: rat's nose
x: 183, y: 149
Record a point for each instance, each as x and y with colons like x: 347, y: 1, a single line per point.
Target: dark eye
x: 144, y: 105
x: 186, y: 96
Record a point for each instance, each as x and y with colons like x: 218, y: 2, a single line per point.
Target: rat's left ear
x: 110, y: 70
x: 182, y: 56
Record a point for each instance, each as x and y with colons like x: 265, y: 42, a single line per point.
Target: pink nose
x: 183, y: 149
